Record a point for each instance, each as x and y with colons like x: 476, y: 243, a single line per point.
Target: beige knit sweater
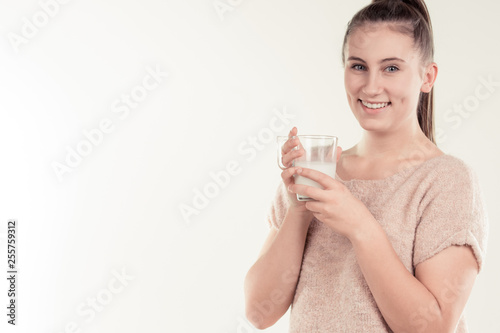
x: 423, y: 209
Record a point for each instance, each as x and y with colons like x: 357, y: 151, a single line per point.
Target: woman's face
x: 383, y: 78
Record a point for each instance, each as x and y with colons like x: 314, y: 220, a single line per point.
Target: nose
x: 373, y: 84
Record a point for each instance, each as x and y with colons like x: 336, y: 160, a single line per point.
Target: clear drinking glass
x: 320, y: 153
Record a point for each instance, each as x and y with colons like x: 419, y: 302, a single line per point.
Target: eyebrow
x: 381, y: 61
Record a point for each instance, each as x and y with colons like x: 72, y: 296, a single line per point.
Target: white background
x: 119, y: 208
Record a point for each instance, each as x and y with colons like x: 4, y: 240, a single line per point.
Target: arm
x: 270, y: 283
x: 430, y: 301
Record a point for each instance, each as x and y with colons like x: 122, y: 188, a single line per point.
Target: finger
x: 307, y: 191
x: 315, y: 206
x: 287, y: 176
x: 290, y: 156
x: 339, y: 152
x: 292, y: 141
x: 289, y: 145
x: 319, y: 177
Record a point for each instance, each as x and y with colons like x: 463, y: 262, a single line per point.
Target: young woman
x: 395, y: 242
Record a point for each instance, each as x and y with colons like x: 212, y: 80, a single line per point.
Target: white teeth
x: 374, y: 106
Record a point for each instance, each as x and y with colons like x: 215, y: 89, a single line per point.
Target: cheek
x: 403, y: 91
x: 398, y: 92
x: 351, y: 83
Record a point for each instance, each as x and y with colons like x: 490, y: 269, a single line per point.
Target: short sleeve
x: 279, y: 207
x: 452, y: 213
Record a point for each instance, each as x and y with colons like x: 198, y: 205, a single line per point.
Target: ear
x: 429, y: 77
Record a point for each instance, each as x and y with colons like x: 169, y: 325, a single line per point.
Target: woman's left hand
x: 335, y: 205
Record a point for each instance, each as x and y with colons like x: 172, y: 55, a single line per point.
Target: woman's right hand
x: 288, y: 154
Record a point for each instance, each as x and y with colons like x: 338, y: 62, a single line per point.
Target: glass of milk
x: 320, y: 153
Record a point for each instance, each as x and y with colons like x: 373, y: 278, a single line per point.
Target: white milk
x: 328, y: 168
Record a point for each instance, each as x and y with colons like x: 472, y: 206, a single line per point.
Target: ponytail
x: 425, y: 114
x: 412, y: 18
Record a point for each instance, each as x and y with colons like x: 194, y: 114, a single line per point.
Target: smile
x: 375, y: 105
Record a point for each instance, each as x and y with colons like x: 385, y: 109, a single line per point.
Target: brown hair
x: 411, y: 17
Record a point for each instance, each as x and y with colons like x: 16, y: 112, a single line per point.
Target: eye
x: 392, y: 69
x: 358, y: 67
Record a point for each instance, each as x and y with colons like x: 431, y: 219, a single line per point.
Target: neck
x: 390, y: 145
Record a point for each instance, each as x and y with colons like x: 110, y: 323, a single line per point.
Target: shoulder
x: 446, y: 169
x: 448, y: 180
x: 445, y: 161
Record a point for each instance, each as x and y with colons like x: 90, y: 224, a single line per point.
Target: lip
x: 374, y: 111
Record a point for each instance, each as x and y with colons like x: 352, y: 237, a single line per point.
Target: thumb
x: 339, y: 152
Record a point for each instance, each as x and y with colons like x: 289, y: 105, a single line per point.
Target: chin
x: 372, y: 125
